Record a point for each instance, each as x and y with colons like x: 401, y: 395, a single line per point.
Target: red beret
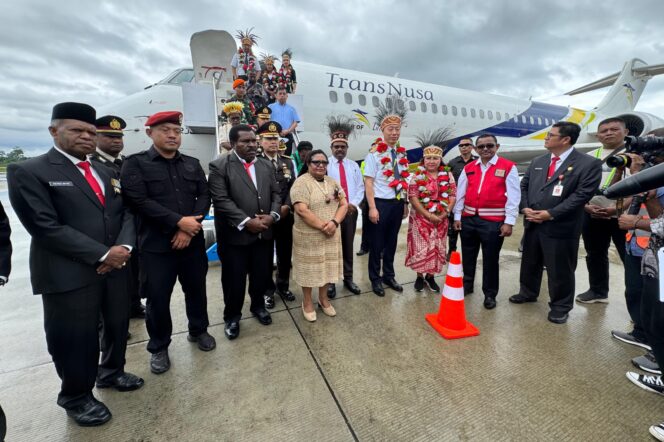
x: 174, y: 117
x: 238, y: 82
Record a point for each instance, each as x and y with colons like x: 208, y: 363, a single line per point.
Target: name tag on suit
x: 61, y: 184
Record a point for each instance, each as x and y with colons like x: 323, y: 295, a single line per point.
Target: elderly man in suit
x: 554, y: 191
x: 82, y: 237
x: 246, y: 200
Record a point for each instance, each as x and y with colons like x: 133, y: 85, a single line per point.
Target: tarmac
x: 375, y: 372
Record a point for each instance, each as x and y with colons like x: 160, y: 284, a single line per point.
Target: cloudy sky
x: 96, y: 52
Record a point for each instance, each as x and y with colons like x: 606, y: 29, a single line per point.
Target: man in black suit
x: 553, y: 193
x: 168, y: 192
x: 109, y: 153
x: 82, y: 237
x: 246, y: 201
x: 5, y: 247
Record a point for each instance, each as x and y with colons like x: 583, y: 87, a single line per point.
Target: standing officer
x: 109, y: 154
x: 283, y: 230
x: 263, y: 115
x: 553, y: 193
x: 347, y: 173
x: 82, y: 237
x: 457, y: 165
x: 169, y: 194
x: 487, y: 205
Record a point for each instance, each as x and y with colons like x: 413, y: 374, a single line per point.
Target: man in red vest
x: 487, y: 206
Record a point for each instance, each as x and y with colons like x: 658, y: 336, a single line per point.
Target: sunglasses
x: 319, y: 163
x: 487, y: 146
x: 465, y: 145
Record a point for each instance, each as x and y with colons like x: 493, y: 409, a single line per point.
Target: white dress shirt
x: 563, y: 156
x: 373, y: 169
x: 511, y: 182
x: 354, y: 178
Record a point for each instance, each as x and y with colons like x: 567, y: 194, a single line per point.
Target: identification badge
x: 60, y: 184
x: 557, y: 190
x: 500, y: 173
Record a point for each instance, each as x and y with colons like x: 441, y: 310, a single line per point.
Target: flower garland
x: 443, y: 178
x: 398, y: 183
x: 248, y: 60
x: 284, y: 77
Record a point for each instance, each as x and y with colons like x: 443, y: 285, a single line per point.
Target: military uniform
x: 162, y: 191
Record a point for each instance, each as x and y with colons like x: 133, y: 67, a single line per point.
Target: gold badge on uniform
x: 115, y: 124
x: 500, y: 173
x: 116, y: 186
x: 272, y: 128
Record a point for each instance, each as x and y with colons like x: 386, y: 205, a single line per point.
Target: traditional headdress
x: 392, y: 111
x: 265, y: 57
x: 288, y: 52
x: 433, y: 142
x: 247, y: 36
x: 340, y: 128
x: 233, y: 107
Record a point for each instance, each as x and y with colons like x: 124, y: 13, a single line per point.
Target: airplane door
x: 211, y: 54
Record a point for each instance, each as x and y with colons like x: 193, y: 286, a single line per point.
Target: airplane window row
x: 412, y: 106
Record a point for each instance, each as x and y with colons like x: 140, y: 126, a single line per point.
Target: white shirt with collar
x: 106, y: 156
x: 373, y: 169
x: 563, y: 156
x: 354, y: 178
x: 511, y: 182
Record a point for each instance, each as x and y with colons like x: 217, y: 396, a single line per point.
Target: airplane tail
x: 626, y: 87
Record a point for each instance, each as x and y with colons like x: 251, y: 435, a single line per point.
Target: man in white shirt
x: 347, y: 173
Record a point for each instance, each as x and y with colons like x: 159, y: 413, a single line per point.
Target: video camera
x: 648, y: 148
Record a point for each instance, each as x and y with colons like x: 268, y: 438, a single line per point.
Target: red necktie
x: 247, y: 166
x: 96, y: 188
x: 342, y: 178
x: 552, y: 167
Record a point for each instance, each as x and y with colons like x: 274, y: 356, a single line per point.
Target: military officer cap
x: 264, y: 112
x: 110, y: 125
x: 271, y: 129
x: 74, y: 111
x: 174, y: 117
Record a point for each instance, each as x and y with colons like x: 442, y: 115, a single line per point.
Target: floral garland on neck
x: 398, y: 183
x: 443, y: 178
x: 248, y: 62
x: 285, y: 76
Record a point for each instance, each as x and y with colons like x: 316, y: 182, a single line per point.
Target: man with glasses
x: 487, y: 206
x: 554, y: 191
x: 168, y: 192
x: 456, y: 165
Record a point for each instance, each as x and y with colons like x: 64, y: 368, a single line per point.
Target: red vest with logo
x: 489, y: 202
x: 642, y: 237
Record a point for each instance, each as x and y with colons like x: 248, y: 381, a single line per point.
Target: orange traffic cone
x: 451, y: 318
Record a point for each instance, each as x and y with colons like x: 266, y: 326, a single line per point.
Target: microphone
x: 648, y: 179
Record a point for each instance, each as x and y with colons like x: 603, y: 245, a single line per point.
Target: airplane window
x: 184, y: 76
x: 454, y: 111
x: 481, y: 113
x: 499, y: 116
x: 348, y: 98
x: 464, y: 113
x: 363, y: 100
x: 412, y: 106
x: 473, y: 113
x: 489, y: 114
x: 523, y: 119
x: 546, y: 121
x: 375, y: 101
x: 539, y: 121
x: 423, y: 106
x: 532, y: 120
x: 333, y: 96
x: 434, y: 108
x: 444, y: 109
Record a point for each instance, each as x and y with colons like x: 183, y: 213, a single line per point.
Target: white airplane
x: 520, y: 125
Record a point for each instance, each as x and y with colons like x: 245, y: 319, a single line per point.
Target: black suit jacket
x: 235, y: 197
x: 581, y: 177
x: 95, y: 157
x: 70, y: 228
x: 5, y: 244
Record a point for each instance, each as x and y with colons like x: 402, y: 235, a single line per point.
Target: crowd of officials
x: 108, y: 230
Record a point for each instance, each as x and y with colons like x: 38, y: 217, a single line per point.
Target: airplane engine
x: 640, y: 123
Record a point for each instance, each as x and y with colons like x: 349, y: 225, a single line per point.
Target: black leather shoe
x: 521, y: 299
x: 263, y: 316
x: 489, y: 303
x: 232, y: 329
x: 558, y: 317
x: 362, y: 252
x: 138, y: 311
x: 122, y: 382
x: 331, y: 291
x: 393, y: 284
x: 128, y: 335
x: 90, y: 413
x: 286, y: 295
x: 468, y: 290
x: 206, y: 342
x: 377, y: 288
x: 352, y: 287
x: 160, y: 362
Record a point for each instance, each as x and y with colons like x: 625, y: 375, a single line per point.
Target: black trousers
x: 366, y: 226
x: 633, y: 292
x: 133, y: 282
x: 283, y: 239
x: 652, y: 317
x: 289, y: 143
x: 159, y: 272
x: 384, y: 236
x: 348, y: 227
x: 452, y: 235
x: 560, y: 256
x: 71, y: 321
x: 597, y: 237
x: 475, y: 233
x: 238, y: 262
